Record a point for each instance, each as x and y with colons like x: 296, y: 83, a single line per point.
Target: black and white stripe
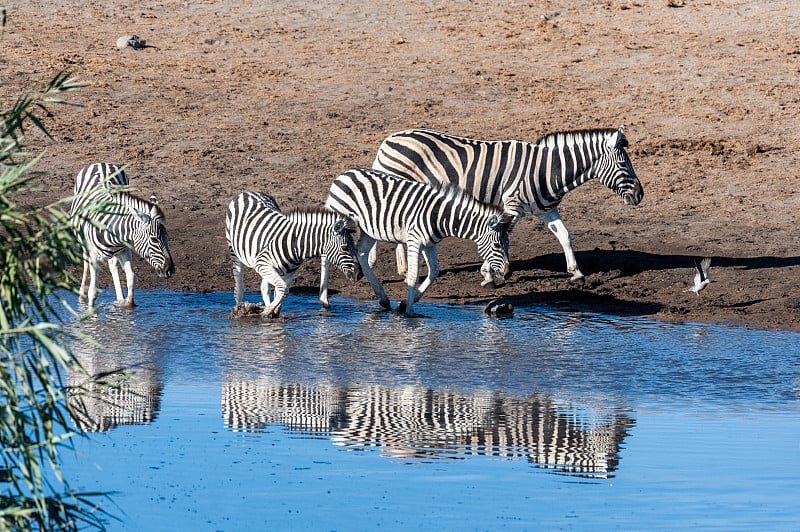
x: 123, y: 223
x: 526, y: 178
x: 276, y: 243
x: 416, y: 422
x: 418, y: 215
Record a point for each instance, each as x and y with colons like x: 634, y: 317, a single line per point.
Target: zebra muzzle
x: 354, y: 275
x: 494, y: 277
x: 167, y: 272
x: 633, y: 197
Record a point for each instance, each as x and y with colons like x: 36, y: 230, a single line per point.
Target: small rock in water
x: 499, y: 307
x: 132, y: 41
x: 245, y: 310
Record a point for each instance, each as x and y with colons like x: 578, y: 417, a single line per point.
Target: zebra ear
x: 139, y: 215
x: 153, y: 199
x: 617, y: 140
x: 339, y: 226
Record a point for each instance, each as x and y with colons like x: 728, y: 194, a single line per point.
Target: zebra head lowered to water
x: 526, y: 178
x: 418, y: 215
x: 275, y: 244
x: 119, y: 222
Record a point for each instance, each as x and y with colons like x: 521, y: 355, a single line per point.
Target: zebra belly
x: 267, y: 261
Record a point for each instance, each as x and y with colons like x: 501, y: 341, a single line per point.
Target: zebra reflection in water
x: 409, y: 422
x: 131, y: 391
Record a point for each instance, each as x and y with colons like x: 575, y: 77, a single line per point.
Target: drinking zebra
x: 526, y: 178
x: 275, y: 244
x: 120, y: 222
x: 418, y: 215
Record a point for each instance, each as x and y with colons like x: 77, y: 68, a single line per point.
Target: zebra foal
x: 525, y: 178
x: 125, y: 222
x: 418, y: 215
x: 275, y: 244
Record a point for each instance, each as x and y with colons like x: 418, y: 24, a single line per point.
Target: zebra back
x: 524, y: 177
x: 386, y: 207
x: 95, y: 177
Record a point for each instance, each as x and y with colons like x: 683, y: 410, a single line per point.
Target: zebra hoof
x: 402, y: 308
x: 578, y: 280
x: 127, y: 304
x: 385, y: 303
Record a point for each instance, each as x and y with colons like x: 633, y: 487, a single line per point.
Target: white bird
x: 701, y: 276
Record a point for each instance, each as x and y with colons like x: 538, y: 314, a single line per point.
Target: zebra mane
x: 316, y: 214
x: 133, y: 198
x: 579, y: 136
x: 310, y: 209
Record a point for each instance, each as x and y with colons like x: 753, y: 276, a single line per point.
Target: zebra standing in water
x: 526, y: 178
x: 418, y: 215
x: 125, y: 221
x: 276, y: 243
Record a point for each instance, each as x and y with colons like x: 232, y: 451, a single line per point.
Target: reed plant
x: 39, y: 249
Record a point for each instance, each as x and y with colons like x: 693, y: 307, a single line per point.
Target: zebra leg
x: 82, y: 291
x: 431, y: 256
x: 130, y: 277
x: 402, y: 266
x: 411, y: 276
x: 93, y: 267
x: 373, y: 255
x: 238, y: 278
x: 365, y: 244
x: 271, y: 280
x: 553, y: 221
x: 266, y: 293
x: 113, y: 266
x: 325, y: 268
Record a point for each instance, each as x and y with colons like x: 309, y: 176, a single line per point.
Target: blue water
x: 359, y: 419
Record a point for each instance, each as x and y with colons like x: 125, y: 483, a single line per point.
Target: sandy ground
x: 283, y: 96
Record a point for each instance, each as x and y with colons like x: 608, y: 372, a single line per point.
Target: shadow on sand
x: 615, y: 264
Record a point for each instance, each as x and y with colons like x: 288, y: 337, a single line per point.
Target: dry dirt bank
x: 282, y: 96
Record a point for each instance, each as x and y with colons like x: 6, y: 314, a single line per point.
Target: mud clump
x: 245, y: 310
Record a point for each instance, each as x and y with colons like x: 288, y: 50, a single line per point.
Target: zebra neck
x: 558, y: 170
x: 118, y: 215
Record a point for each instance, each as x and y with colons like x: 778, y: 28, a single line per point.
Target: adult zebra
x: 124, y: 221
x: 276, y: 243
x: 526, y: 178
x: 418, y: 215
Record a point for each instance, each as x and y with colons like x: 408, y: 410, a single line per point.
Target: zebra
x: 418, y: 215
x: 275, y: 244
x: 123, y: 222
x: 525, y: 178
